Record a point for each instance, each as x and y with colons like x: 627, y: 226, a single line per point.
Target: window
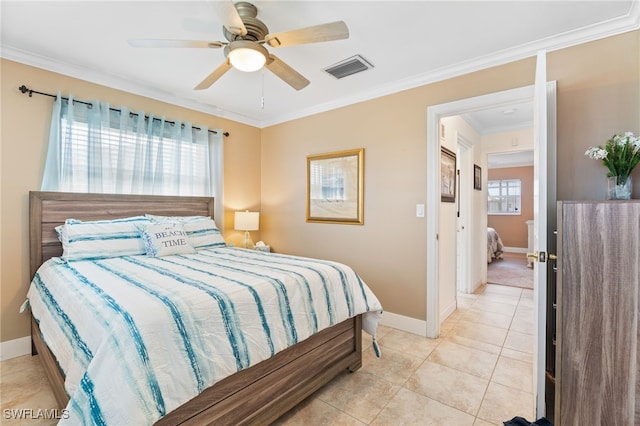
x: 124, y: 162
x: 504, y: 196
x: 99, y: 149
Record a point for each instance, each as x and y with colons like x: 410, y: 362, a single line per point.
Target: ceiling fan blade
x: 230, y: 17
x: 326, y: 32
x: 176, y: 43
x: 214, y: 76
x: 287, y: 74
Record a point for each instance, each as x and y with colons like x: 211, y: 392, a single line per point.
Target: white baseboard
x: 401, y: 322
x: 444, y: 314
x: 515, y: 250
x: 15, y: 348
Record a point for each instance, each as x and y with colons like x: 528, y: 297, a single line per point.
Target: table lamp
x: 247, y: 221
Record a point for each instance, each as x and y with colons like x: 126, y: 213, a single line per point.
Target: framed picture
x: 477, y: 177
x: 447, y: 175
x: 335, y: 187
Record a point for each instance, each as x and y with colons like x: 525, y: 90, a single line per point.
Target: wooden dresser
x: 598, y: 294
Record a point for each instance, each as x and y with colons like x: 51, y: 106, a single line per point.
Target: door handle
x: 538, y: 256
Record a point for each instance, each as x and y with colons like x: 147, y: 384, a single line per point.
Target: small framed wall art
x: 447, y: 175
x: 477, y: 177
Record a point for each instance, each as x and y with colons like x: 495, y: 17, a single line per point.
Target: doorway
x: 434, y: 234
x: 544, y: 126
x: 510, y: 211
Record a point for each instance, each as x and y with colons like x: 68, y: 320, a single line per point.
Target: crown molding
x: 118, y: 83
x: 629, y: 22
x: 620, y: 25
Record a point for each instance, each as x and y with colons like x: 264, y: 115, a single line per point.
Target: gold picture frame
x: 335, y: 187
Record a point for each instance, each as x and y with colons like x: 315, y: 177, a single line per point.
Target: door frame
x: 434, y: 114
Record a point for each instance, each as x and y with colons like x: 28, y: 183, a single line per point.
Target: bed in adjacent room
x: 188, y: 330
x: 495, y: 247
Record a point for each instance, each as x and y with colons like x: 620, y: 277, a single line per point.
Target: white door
x: 542, y: 106
x: 464, y: 225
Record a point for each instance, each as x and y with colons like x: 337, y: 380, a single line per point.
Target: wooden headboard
x: 50, y: 209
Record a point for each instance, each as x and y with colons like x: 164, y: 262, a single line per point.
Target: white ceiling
x: 409, y: 43
x: 510, y: 159
x: 502, y: 119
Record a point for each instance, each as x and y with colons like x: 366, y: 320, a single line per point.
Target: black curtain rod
x: 25, y: 89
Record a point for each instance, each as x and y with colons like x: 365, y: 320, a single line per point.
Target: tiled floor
x: 479, y: 372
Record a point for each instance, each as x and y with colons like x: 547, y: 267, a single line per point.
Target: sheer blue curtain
x: 98, y: 149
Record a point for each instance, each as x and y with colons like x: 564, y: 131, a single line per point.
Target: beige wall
x: 598, y: 94
x: 513, y: 228
x: 24, y: 135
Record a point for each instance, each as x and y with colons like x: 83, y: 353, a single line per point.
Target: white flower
x: 619, y: 155
x: 620, y: 141
x: 596, y: 153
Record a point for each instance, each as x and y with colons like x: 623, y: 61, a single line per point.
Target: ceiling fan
x: 246, y: 36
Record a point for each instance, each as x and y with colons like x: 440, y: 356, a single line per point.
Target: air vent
x: 349, y: 66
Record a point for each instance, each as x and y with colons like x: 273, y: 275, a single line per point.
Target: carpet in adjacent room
x: 511, y: 270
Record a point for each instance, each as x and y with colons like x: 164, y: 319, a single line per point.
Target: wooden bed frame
x: 257, y: 395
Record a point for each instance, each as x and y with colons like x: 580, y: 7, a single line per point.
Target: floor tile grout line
x: 502, y: 347
x: 437, y: 400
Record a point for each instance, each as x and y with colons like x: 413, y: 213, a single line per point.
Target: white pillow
x: 101, y: 239
x: 204, y: 234
x: 165, y: 238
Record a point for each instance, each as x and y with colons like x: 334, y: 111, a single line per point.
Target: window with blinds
x: 123, y: 161
x: 504, y: 196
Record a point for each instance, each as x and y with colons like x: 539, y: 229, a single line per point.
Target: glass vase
x: 618, y: 189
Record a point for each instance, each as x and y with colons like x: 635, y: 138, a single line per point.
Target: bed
x: 257, y: 393
x: 494, y: 245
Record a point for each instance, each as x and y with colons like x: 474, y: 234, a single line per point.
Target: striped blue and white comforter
x: 138, y: 336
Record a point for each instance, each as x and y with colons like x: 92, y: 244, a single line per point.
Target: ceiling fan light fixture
x: 246, y: 55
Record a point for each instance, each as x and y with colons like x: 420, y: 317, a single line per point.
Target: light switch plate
x: 419, y: 210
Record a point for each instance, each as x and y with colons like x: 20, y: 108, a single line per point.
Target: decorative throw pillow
x: 99, y: 239
x: 204, y: 234
x: 163, y: 239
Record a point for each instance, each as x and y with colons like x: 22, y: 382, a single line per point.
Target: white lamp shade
x: 247, y: 221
